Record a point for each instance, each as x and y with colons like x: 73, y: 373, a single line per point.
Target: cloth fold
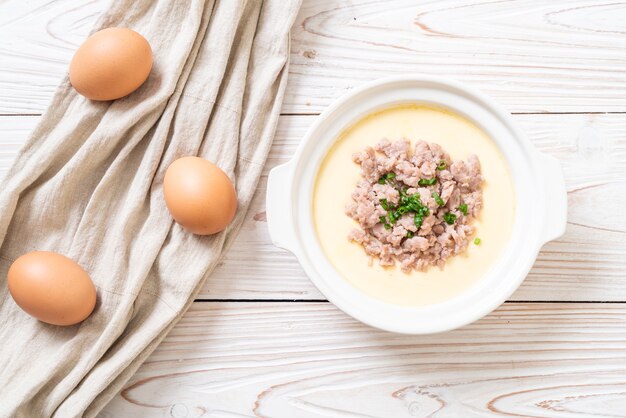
x: 88, y: 184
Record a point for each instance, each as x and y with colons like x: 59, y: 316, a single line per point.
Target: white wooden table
x: 262, y: 341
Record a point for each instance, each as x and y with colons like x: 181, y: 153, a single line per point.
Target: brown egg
x: 52, y: 288
x: 112, y: 63
x: 199, y: 195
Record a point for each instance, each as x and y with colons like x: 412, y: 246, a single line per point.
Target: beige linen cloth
x: 88, y: 184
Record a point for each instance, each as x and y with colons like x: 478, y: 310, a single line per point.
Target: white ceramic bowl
x: 541, y: 206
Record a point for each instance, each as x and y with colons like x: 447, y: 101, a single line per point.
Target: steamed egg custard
x: 480, y: 221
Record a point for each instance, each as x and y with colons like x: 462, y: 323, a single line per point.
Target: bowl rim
x: 352, y: 300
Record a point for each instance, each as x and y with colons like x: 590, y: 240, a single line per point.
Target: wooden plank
x: 310, y: 360
x: 38, y: 40
x: 588, y: 263
x: 557, y: 56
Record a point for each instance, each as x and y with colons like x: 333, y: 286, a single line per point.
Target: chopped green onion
x: 418, y: 220
x: 450, y: 218
x: 409, y: 234
x: 385, y: 177
x: 420, y: 214
x: 442, y: 165
x: 463, y: 208
x: 407, y: 204
x: 477, y: 241
x: 438, y: 199
x: 427, y: 182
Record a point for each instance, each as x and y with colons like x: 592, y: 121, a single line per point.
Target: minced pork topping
x: 414, y: 207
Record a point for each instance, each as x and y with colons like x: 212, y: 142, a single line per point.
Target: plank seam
x: 263, y: 300
x: 326, y: 301
x: 318, y: 113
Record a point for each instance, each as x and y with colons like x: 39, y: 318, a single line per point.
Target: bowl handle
x: 279, y: 208
x: 555, y: 197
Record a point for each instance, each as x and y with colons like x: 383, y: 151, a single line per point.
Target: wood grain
x: 533, y: 56
x: 310, y: 360
x: 588, y: 263
x: 240, y: 359
x: 38, y: 40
